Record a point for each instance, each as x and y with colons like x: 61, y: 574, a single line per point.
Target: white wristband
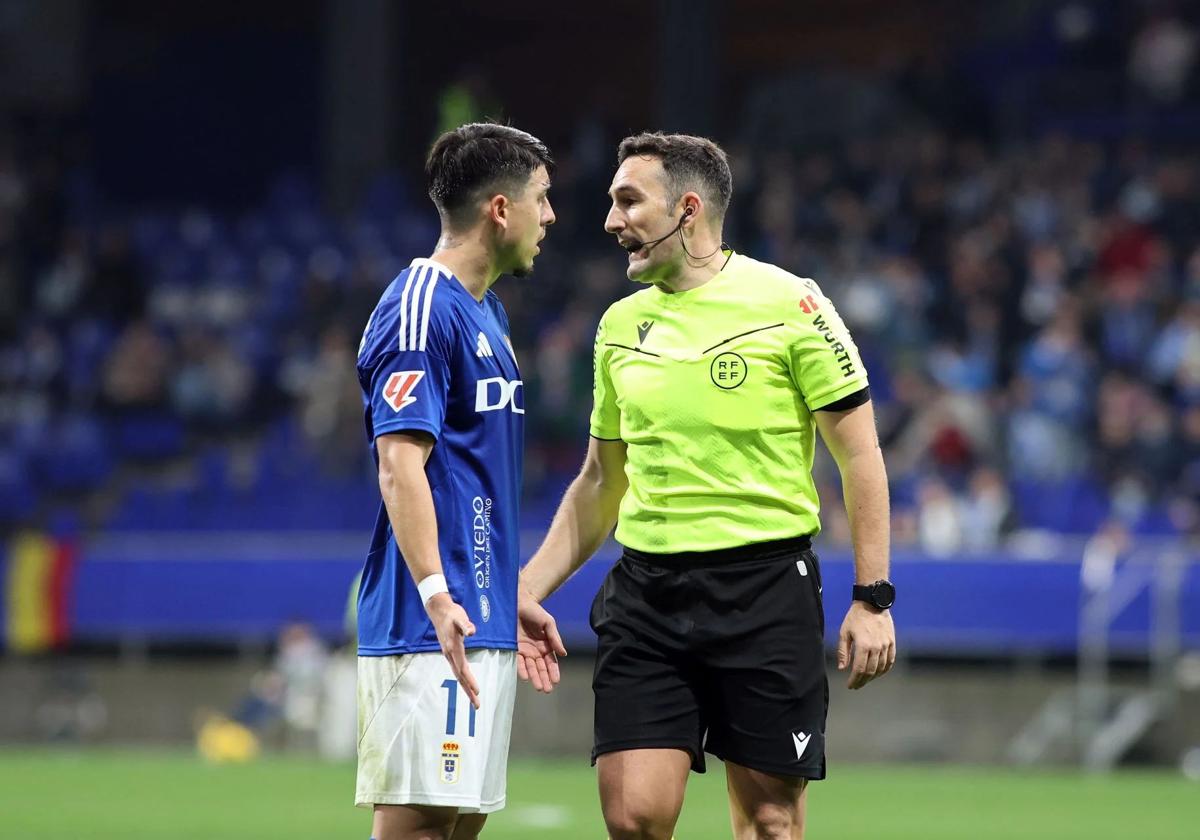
x: 431, y: 586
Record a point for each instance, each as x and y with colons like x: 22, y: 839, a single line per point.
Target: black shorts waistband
x: 753, y: 552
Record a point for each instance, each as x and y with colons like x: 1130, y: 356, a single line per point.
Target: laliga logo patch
x: 397, y: 391
x: 450, y: 762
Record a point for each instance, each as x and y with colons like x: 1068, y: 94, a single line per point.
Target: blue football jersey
x: 435, y: 359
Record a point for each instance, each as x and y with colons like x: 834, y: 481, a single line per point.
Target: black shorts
x: 720, y: 652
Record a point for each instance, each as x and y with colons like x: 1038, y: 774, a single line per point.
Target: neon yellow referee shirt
x: 713, y: 391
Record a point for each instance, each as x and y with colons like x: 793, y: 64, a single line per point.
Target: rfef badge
x: 450, y: 759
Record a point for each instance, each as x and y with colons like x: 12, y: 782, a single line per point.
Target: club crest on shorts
x: 451, y: 756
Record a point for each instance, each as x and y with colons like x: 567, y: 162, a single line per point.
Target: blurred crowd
x: 1029, y: 311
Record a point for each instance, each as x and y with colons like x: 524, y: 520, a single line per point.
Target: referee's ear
x: 691, y: 205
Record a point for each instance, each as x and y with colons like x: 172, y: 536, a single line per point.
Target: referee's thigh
x: 641, y: 791
x: 765, y: 805
x: 761, y: 645
x: 643, y: 687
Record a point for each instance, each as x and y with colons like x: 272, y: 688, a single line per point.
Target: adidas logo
x: 482, y: 348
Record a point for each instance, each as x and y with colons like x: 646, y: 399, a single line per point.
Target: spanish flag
x: 37, y: 582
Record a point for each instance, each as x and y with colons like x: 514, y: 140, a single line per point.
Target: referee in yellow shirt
x: 710, y: 385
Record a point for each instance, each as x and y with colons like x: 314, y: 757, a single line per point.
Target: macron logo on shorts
x: 801, y: 742
x: 397, y: 391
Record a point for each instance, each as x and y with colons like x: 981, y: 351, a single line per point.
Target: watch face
x: 883, y: 594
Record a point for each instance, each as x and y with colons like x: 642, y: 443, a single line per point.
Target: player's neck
x: 470, y: 264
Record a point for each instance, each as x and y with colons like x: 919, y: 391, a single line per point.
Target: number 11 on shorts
x: 451, y: 687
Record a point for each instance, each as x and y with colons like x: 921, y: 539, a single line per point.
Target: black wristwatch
x: 880, y: 594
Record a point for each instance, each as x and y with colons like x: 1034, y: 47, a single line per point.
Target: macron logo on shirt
x: 482, y: 348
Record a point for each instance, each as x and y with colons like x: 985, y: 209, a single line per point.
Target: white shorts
x: 420, y: 742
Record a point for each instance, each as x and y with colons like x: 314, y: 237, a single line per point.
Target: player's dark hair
x: 690, y: 163
x: 479, y: 157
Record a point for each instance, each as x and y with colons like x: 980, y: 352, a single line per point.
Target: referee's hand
x: 538, y: 644
x: 453, y: 627
x: 866, y: 644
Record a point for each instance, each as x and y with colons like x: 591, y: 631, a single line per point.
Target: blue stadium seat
x: 1075, y: 506
x: 18, y: 494
x: 77, y: 458
x: 148, y: 436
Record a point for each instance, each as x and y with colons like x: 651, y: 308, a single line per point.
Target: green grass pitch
x: 131, y: 795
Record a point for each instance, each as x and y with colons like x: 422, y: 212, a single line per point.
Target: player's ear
x: 497, y: 210
x: 690, y: 206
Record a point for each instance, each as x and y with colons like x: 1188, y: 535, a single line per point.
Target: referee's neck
x: 690, y: 276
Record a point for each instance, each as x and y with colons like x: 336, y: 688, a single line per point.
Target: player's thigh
x: 468, y: 826
x: 765, y: 804
x: 497, y: 672
x: 421, y: 743
x: 641, y: 791
x: 413, y: 822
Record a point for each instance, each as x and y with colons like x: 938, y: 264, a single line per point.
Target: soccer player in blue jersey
x: 437, y: 609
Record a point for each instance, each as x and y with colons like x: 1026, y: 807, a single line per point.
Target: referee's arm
x: 867, y: 642
x: 585, y: 517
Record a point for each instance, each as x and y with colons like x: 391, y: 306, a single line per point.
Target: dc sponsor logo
x: 800, y: 742
x: 728, y: 371
x: 485, y: 607
x: 496, y: 392
x: 397, y: 391
x: 451, y: 760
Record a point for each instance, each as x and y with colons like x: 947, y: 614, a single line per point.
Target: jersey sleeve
x: 822, y: 358
x: 606, y: 417
x: 410, y: 385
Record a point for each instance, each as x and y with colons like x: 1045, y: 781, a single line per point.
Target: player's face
x: 641, y: 213
x: 531, y: 215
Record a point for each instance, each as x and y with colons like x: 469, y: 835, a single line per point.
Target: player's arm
x: 867, y: 642
x: 584, y: 518
x: 409, y: 503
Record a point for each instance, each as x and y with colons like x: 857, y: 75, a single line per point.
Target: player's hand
x: 538, y: 644
x: 866, y: 644
x: 453, y: 627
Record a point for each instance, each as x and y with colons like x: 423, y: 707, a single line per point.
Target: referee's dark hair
x: 690, y: 163
x: 472, y: 158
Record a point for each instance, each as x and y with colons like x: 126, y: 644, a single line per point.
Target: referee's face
x: 640, y: 215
